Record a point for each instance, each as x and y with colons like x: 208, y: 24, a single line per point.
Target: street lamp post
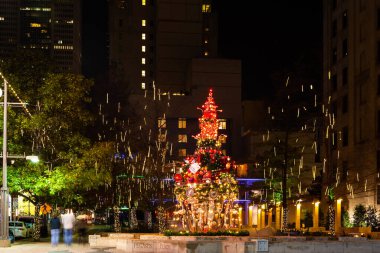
x: 4, y: 219
x: 4, y: 189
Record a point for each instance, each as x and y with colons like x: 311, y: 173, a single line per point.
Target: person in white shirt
x: 68, y: 220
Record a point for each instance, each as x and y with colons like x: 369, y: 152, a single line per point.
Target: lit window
x: 206, y: 41
x: 143, y: 2
x: 161, y: 123
x: 60, y: 41
x: 222, y: 124
x: 182, y: 138
x: 143, y: 36
x: 143, y: 22
x: 222, y: 138
x: 2, y: 18
x: 181, y: 123
x: 206, y: 8
x: 162, y: 137
x: 142, y: 60
x: 206, y: 53
x: 182, y: 152
x: 143, y: 73
x: 143, y: 86
x: 143, y: 49
x: 35, y: 25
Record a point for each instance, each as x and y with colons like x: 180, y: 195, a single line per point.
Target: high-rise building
x: 351, y: 83
x: 52, y: 26
x: 173, y: 45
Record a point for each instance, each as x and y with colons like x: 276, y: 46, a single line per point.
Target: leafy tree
x: 359, y: 216
x: 139, y: 151
x: 52, y: 125
x: 291, y: 139
x: 371, y: 218
x: 346, y: 220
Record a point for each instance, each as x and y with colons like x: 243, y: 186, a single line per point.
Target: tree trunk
x: 284, y: 185
x: 117, y: 225
x: 37, y: 223
x: 331, y: 215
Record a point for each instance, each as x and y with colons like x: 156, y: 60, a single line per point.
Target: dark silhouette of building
x: 351, y: 84
x: 173, y: 45
x: 52, y: 26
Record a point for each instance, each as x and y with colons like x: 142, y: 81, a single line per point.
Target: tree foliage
x: 52, y: 125
x: 359, y: 216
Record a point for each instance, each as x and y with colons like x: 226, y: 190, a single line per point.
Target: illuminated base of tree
x: 149, y: 220
x: 37, y: 224
x: 133, y: 218
x: 285, y: 218
x: 331, y: 213
x: 161, y: 219
x: 117, y: 226
x: 207, y: 206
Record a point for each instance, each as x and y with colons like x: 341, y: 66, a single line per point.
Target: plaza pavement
x: 45, y: 247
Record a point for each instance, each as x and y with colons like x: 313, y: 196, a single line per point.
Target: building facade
x: 351, y: 89
x: 172, y: 45
x: 52, y: 26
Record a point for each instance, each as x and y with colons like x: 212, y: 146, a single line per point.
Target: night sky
x: 269, y: 36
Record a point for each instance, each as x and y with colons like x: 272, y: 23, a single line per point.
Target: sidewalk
x: 45, y: 247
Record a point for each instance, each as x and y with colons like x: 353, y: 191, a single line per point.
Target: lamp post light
x: 4, y: 190
x: 4, y: 229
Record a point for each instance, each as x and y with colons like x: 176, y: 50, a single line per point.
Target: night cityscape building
x: 52, y: 26
x: 173, y: 46
x: 351, y: 49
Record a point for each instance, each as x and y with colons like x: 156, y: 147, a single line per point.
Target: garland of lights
x: 205, y: 184
x: 331, y: 214
x: 285, y: 218
x: 149, y: 220
x: 37, y: 224
x: 133, y: 218
x: 117, y: 225
x: 161, y: 219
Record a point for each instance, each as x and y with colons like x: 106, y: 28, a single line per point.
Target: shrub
x: 346, y: 220
x: 359, y: 216
x: 371, y: 218
x: 308, y: 219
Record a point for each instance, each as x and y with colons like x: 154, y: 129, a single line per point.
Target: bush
x: 359, y: 216
x: 371, y: 218
x: 308, y: 219
x: 346, y: 220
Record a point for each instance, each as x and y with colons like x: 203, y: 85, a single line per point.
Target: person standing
x: 68, y: 220
x: 55, y: 226
x: 81, y: 227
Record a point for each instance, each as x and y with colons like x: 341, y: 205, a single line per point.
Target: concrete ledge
x: 121, y: 235
x: 153, y: 237
x: 155, y: 243
x: 351, y: 239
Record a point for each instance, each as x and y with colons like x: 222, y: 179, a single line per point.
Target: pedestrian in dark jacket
x: 55, y: 226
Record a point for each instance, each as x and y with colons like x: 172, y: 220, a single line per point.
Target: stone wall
x: 134, y: 243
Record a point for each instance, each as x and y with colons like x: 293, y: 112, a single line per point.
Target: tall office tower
x: 52, y: 26
x: 351, y: 82
x: 9, y: 35
x: 173, y: 44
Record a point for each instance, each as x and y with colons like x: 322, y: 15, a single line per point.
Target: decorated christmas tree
x: 205, y: 184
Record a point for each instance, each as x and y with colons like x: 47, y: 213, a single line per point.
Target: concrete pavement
x: 45, y: 247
